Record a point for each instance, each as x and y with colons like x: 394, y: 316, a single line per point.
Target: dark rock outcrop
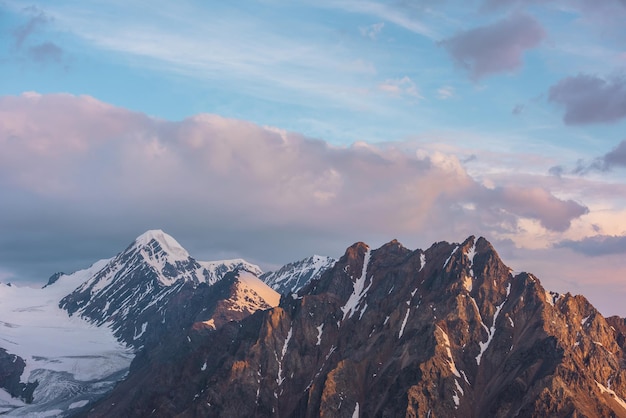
x: 11, y: 368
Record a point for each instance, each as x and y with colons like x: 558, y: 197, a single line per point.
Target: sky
x: 273, y: 130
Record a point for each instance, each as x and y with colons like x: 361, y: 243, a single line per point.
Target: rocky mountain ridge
x: 449, y: 331
x: 293, y: 276
x: 132, y: 291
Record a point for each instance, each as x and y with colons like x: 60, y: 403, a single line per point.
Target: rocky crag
x: 390, y: 332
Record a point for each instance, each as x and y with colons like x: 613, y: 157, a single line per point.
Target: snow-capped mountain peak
x: 131, y: 292
x: 155, y: 241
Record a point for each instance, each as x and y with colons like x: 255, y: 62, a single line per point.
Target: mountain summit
x: 132, y: 291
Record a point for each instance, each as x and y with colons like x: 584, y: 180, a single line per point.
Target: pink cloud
x: 73, y: 166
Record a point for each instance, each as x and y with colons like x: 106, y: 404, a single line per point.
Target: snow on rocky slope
x: 293, y: 276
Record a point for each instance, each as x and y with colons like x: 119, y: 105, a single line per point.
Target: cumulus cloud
x: 495, y: 48
x: 598, y: 245
x: 590, y: 99
x: 82, y: 177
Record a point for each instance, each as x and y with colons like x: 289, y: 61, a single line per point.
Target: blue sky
x: 509, y: 116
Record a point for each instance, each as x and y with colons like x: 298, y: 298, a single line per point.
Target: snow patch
x: 450, y: 256
x: 359, y: 289
x: 490, y: 333
x: 422, y: 261
x: 320, y: 330
x: 446, y: 344
x: 406, y: 317
x: 143, y: 330
x: 78, y: 404
x: 355, y: 414
x: 612, y: 394
x: 470, y: 255
x: 280, y: 379
x: 465, y: 377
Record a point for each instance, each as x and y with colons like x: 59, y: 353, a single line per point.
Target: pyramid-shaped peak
x: 165, y: 241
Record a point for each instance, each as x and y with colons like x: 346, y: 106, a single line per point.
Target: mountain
x: 388, y: 332
x: 66, y: 344
x: 133, y: 291
x: 291, y: 277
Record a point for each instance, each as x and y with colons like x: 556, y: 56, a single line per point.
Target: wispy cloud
x: 37, y: 51
x: 36, y: 19
x: 396, y: 13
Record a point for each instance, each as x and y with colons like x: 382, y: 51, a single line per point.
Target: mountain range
x: 442, y: 332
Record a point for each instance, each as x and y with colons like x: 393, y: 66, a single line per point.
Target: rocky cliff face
x: 392, y: 332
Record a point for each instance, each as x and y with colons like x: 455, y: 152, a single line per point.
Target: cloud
x: 372, y: 31
x: 46, y: 52
x: 402, y: 14
x: 590, y: 99
x: 445, y: 92
x: 80, y: 178
x: 41, y: 52
x: 495, y: 48
x: 535, y: 203
x: 615, y: 158
x: 598, y: 245
x: 400, y: 87
x: 38, y: 18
